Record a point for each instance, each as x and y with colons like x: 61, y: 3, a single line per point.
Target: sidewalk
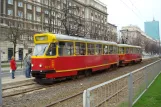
x: 7, y: 63
x: 7, y: 69
x: 19, y: 78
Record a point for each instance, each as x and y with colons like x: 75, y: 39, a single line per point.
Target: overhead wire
x: 132, y: 10
x: 135, y: 7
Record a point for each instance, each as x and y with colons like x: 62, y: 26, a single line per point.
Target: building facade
x: 111, y: 33
x: 84, y: 18
x: 152, y: 29
x: 133, y: 35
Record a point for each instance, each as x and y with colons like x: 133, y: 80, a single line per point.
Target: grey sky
x: 122, y: 15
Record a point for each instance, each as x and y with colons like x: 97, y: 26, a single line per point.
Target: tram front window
x: 51, y: 50
x: 40, y: 49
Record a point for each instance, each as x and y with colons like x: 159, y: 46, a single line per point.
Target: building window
x: 38, y: 1
x: 10, y: 12
x: 29, y: 6
x: 46, y: 2
x: 20, y: 4
x: 91, y: 14
x: 38, y: 9
x: 20, y: 14
x: 20, y: 25
x: 59, y: 23
x: 38, y: 18
x: 46, y: 12
x: 29, y: 16
x: 30, y: 37
x: 46, y: 20
x: 10, y: 1
x: 10, y: 53
x: 70, y: 3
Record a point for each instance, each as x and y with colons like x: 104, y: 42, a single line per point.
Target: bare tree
x: 124, y: 36
x: 137, y: 41
x: 15, y: 35
x: 87, y: 28
x: 71, y: 22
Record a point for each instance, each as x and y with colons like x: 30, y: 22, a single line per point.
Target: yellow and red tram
x: 129, y: 54
x: 57, y: 56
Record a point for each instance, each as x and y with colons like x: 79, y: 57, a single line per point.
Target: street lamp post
x: 0, y: 10
x: 0, y: 65
x: 0, y: 80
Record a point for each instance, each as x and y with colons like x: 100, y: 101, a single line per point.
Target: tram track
x: 29, y: 89
x: 64, y: 99
x: 16, y: 86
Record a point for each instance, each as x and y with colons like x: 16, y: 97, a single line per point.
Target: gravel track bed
x: 65, y: 89
x: 20, y: 89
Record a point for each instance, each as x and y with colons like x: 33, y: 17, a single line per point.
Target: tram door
x: 10, y: 53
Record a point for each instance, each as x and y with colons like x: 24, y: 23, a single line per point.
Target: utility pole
x: 127, y: 37
x: 49, y: 15
x: 0, y: 80
x: 0, y: 9
x: 159, y: 47
x: 0, y: 63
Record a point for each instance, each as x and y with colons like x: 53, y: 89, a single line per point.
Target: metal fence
x: 123, y: 91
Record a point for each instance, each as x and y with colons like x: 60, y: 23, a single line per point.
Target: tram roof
x: 66, y: 37
x: 126, y: 45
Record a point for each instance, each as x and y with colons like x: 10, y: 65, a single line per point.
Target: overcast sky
x: 121, y: 14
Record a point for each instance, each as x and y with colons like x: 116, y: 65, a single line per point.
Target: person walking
x: 28, y: 67
x: 13, y: 66
x: 25, y: 64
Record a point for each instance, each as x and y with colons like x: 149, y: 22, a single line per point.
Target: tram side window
x: 110, y: 49
x: 52, y: 50
x: 65, y: 48
x: 105, y: 49
x: 114, y: 50
x: 130, y: 50
x: 139, y: 51
x: 98, y: 49
x: 80, y: 48
x: 121, y: 50
x: 127, y: 50
x: 91, y: 49
x: 134, y: 51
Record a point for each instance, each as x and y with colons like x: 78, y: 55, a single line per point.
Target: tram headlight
x: 40, y: 65
x: 32, y: 65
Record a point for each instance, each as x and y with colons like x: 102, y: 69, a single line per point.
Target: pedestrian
x: 13, y: 66
x: 25, y: 64
x: 28, y: 67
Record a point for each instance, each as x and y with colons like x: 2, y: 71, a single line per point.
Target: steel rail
x: 64, y: 99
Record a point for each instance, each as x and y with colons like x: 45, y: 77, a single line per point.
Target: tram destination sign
x: 41, y: 38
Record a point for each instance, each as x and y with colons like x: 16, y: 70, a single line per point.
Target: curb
x: 8, y: 70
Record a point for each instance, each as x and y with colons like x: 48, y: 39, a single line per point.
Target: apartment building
x: 111, y: 32
x: 88, y: 17
x: 135, y: 36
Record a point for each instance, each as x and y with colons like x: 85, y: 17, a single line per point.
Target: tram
x: 129, y: 54
x: 62, y: 56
